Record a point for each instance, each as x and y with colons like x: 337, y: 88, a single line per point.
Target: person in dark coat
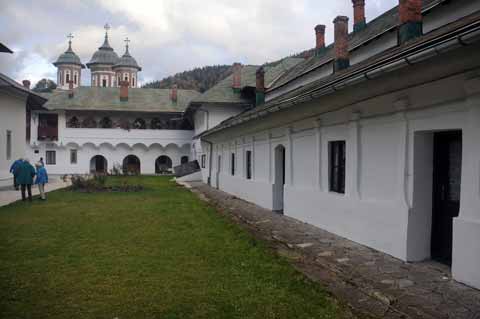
x: 13, y: 170
x: 41, y: 161
x: 41, y: 180
x: 26, y: 172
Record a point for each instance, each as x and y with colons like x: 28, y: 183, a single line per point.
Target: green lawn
x: 159, y: 253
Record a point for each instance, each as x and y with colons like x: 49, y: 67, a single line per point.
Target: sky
x: 166, y: 36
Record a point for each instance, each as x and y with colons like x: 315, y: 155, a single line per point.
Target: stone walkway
x: 9, y: 195
x: 373, y: 284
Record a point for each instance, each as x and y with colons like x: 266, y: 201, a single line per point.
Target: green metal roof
x: 127, y: 61
x: 69, y: 57
x: 104, y: 55
x: 224, y: 93
x: 108, y: 99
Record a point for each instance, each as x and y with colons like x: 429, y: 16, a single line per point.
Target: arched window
x: 139, y: 124
x: 104, y: 83
x: 73, y: 122
x: 75, y: 78
x: 156, y: 124
x: 89, y: 122
x: 184, y: 160
x: 133, y: 81
x: 106, y: 122
x: 67, y: 77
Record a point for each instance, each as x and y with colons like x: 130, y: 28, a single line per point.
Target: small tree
x: 45, y: 85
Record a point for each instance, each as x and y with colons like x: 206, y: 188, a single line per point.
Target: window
x: 104, y: 83
x: 337, y: 166
x: 184, y: 160
x: 9, y: 145
x: 51, y: 157
x: 248, y: 159
x: 75, y: 78
x: 133, y: 81
x: 204, y: 160
x: 68, y: 77
x: 232, y: 164
x: 73, y: 156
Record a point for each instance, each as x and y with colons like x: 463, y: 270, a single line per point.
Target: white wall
x: 12, y: 118
x: 387, y: 203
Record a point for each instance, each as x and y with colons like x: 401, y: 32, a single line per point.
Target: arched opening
x: 279, y: 183
x: 156, y: 124
x: 98, y: 165
x: 131, y: 165
x: 73, y: 122
x: 106, y: 122
x: 139, y: 124
x: 163, y: 165
x: 89, y: 122
x: 184, y: 160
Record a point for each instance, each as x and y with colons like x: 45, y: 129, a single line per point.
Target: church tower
x: 126, y: 68
x: 101, y: 64
x: 69, y: 67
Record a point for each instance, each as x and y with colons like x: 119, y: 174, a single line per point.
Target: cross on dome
x: 70, y: 37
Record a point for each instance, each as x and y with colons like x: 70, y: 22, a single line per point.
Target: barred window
x: 248, y: 158
x: 337, y: 166
x: 73, y: 156
x: 9, y: 145
x: 51, y: 157
x: 232, y: 164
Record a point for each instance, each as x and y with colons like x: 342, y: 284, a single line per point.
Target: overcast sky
x: 167, y: 36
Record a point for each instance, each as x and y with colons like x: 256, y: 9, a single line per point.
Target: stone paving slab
x: 374, y: 284
x: 9, y: 195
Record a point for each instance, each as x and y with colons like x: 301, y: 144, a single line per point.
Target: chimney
x: 359, y: 21
x: 342, y: 56
x: 260, y: 89
x: 320, y: 36
x: 26, y: 84
x: 123, y: 91
x: 410, y: 13
x: 174, y: 93
x: 70, y: 89
x: 237, y: 77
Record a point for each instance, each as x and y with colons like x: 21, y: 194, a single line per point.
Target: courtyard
x: 157, y: 253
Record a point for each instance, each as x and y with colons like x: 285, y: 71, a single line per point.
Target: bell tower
x: 69, y: 67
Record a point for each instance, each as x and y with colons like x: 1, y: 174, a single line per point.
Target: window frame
x: 248, y: 165
x: 232, y: 164
x: 9, y: 145
x: 337, y: 159
x: 73, y: 151
x: 48, y: 160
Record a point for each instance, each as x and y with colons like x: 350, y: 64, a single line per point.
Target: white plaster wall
x: 387, y: 204
x: 215, y: 115
x: 113, y: 154
x: 12, y: 118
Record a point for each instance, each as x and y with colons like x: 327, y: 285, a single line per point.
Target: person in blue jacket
x: 14, y: 171
x: 41, y: 180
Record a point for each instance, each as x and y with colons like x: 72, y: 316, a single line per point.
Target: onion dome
x: 69, y: 57
x: 127, y: 61
x: 104, y: 54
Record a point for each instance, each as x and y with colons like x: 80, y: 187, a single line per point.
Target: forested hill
x: 200, y: 79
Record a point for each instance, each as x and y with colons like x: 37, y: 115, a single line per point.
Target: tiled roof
x: 314, y: 90
x: 34, y: 100
x: 108, y: 99
x: 223, y: 92
x: 374, y: 28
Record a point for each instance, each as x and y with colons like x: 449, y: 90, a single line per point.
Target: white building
x: 16, y: 101
x: 112, y: 124
x: 374, y: 138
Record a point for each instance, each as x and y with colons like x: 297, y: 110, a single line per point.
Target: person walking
x: 41, y: 161
x: 13, y: 170
x: 26, y: 172
x: 41, y: 179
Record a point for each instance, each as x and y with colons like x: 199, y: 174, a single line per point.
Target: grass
x: 159, y: 253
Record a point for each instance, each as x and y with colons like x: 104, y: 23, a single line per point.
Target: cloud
x: 167, y: 36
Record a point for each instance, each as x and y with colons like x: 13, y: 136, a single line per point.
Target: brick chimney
x: 320, y: 37
x: 124, y: 91
x: 237, y: 78
x: 342, y: 56
x: 174, y: 93
x: 359, y: 20
x: 26, y: 84
x: 411, y: 26
x: 70, y: 89
x: 260, y: 88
